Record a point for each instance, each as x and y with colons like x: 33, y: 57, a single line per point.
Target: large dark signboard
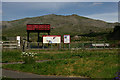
x: 38, y: 27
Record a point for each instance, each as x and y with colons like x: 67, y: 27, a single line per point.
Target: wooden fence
x: 10, y: 45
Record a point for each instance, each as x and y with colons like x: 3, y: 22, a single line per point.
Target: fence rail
x: 9, y: 44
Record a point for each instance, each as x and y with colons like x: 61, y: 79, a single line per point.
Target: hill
x: 70, y: 24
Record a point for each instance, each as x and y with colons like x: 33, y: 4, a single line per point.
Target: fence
x: 40, y: 45
x: 10, y: 45
x: 80, y: 44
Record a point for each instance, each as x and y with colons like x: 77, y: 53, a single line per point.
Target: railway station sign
x: 38, y: 27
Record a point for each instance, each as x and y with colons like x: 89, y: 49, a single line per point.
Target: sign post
x: 69, y: 46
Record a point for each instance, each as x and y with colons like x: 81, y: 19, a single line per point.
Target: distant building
x: 101, y: 45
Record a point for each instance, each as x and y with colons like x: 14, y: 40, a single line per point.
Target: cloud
x: 26, y: 6
x: 0, y: 7
x: 60, y: 0
x: 97, y: 3
x: 45, y: 5
x: 18, y: 10
x: 108, y: 17
x: 0, y: 12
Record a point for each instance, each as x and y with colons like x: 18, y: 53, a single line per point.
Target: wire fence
x: 72, y: 45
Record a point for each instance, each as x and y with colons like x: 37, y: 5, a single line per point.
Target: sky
x: 60, y: 0
x: 106, y: 11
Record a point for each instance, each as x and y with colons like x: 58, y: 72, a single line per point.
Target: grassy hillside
x: 71, y: 24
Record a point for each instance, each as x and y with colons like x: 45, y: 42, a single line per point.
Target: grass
x: 15, y: 55
x: 11, y: 56
x: 53, y: 55
x: 93, y: 64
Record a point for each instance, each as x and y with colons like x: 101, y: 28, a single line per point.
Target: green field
x: 85, y: 63
x: 11, y: 56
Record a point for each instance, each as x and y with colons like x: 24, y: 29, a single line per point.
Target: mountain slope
x: 71, y: 24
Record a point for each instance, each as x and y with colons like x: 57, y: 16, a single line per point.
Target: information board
x: 66, y: 39
x: 51, y: 39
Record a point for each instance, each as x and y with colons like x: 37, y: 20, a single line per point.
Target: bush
x: 28, y: 58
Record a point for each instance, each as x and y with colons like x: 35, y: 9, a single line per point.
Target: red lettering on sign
x: 38, y: 27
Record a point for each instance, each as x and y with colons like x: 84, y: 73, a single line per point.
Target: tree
x: 115, y: 35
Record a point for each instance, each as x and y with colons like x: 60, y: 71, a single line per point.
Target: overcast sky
x: 60, y: 0
x: 107, y: 11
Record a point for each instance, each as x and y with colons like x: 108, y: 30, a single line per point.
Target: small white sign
x: 66, y: 38
x: 18, y: 39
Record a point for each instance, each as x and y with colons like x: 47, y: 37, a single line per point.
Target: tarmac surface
x: 23, y: 62
x: 30, y: 76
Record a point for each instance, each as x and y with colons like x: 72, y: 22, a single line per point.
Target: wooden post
x: 104, y: 44
x: 43, y: 46
x: 95, y: 45
x: 48, y: 33
x: 38, y: 40
x: 51, y: 45
x: 59, y: 45
x: 28, y: 39
x: 38, y: 36
x: 48, y: 43
x: 23, y: 49
x: 28, y: 36
x: 69, y: 45
x: 63, y: 45
x: 82, y: 45
x: 38, y: 44
x: 27, y: 45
